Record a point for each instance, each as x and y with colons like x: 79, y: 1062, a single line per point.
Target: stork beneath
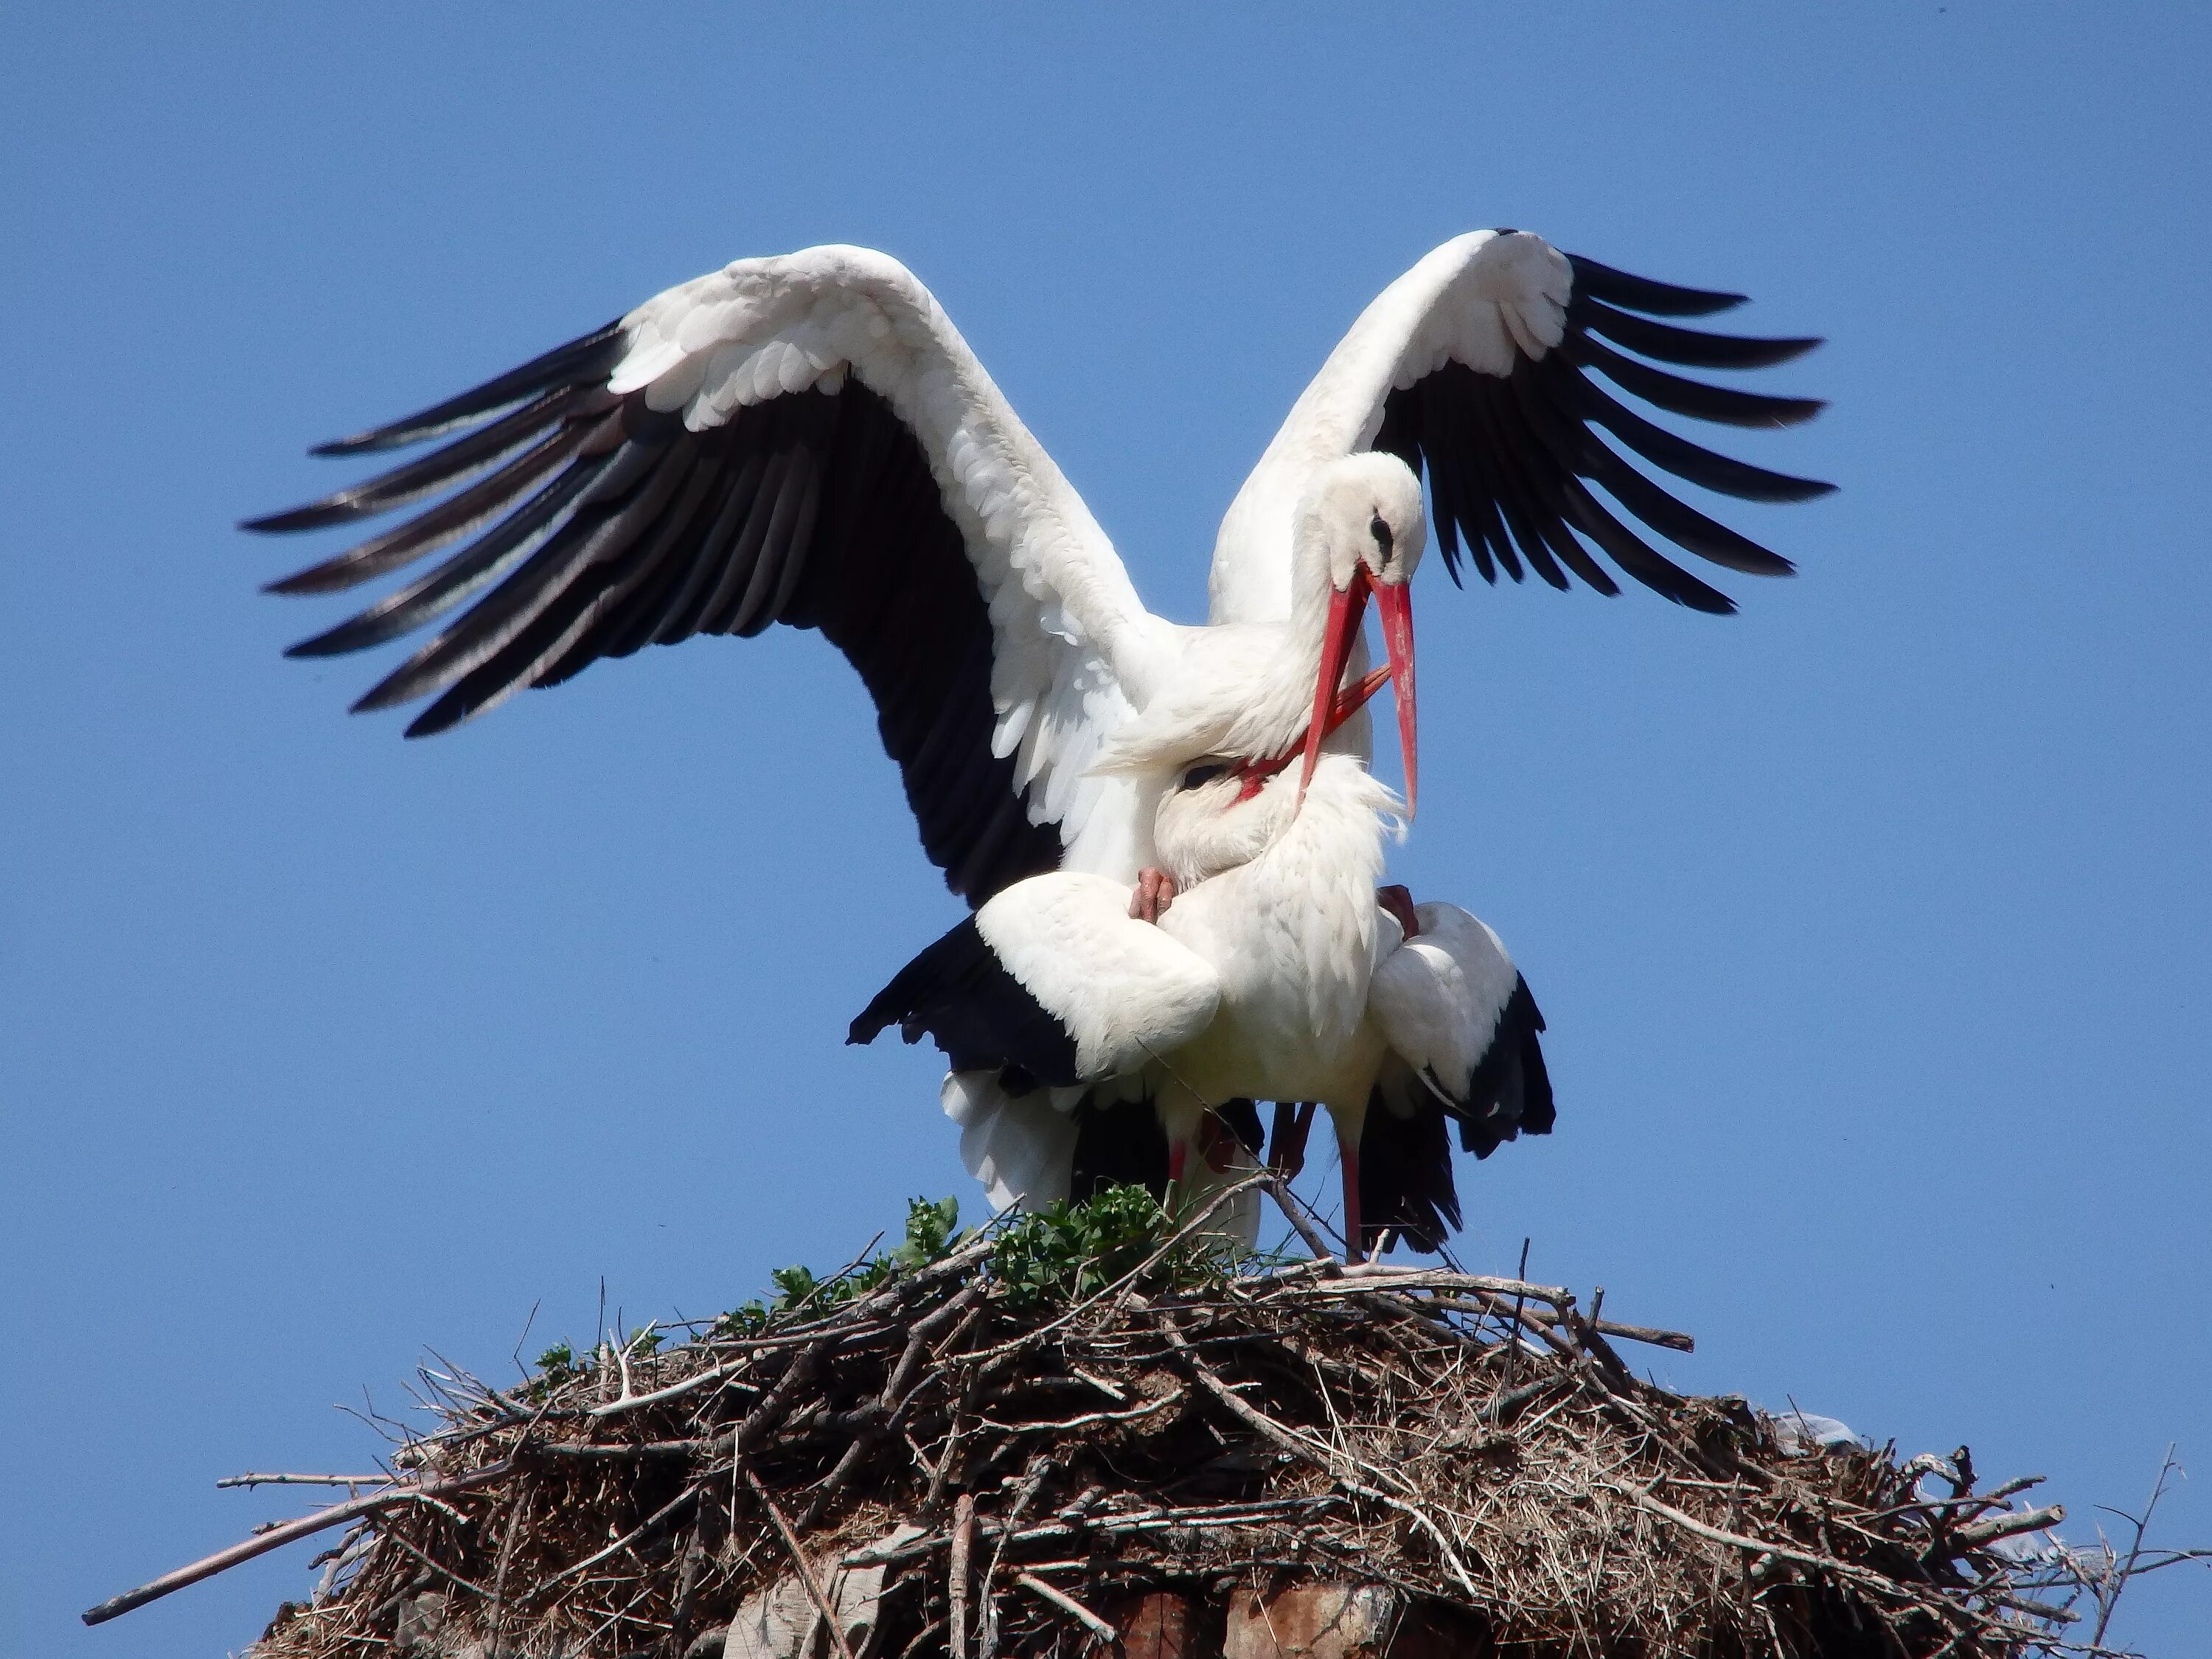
x: 806, y: 438
x: 1275, y: 975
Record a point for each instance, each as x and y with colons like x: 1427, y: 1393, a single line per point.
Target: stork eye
x: 1204, y: 774
x: 1381, y: 531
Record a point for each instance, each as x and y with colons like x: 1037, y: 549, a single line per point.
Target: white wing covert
x: 1474, y: 368
x: 1456, y: 1012
x: 803, y: 438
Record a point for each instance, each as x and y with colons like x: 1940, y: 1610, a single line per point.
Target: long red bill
x: 1346, y: 608
x: 1393, y: 604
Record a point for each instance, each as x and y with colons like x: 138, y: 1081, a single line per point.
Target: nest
x: 1055, y: 1435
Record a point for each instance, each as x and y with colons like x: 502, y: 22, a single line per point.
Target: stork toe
x: 1156, y: 889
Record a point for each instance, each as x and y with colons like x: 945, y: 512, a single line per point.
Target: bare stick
x: 516, y: 1517
x: 278, y: 1537
x: 1377, y: 1280
x: 438, y: 1567
x: 1513, y: 1337
x: 814, y: 1591
x: 1294, y: 1212
x: 306, y: 1480
x: 1068, y: 1604
x: 1033, y: 1479
x: 1197, y: 1520
x: 1681, y: 1342
x: 964, y: 1542
x: 1338, y: 1466
x: 634, y: 1536
x: 2108, y: 1599
x: 625, y: 1452
x: 630, y: 1402
x: 687, y: 1588
x: 1979, y: 1535
x: 1803, y: 1558
x: 897, y: 1395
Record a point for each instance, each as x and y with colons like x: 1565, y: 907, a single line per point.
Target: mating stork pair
x: 1168, y: 834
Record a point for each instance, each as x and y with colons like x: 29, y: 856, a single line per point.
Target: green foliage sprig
x: 1068, y: 1251
x: 931, y: 1231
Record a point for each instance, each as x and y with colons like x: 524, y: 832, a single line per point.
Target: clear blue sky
x: 1871, y: 924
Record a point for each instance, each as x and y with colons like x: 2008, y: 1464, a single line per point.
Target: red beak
x: 1394, y: 603
x: 1346, y: 608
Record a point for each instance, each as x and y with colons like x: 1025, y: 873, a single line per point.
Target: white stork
x: 1275, y: 973
x: 806, y: 439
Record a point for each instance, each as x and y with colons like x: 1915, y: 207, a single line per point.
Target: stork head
x: 1212, y: 818
x: 1362, y: 518
x: 1208, y: 822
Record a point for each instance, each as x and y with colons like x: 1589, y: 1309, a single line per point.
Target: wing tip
x: 1648, y: 294
x: 359, y: 443
x: 315, y: 579
x: 286, y: 521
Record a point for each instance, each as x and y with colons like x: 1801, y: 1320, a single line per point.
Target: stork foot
x: 1155, y: 892
x: 1398, y: 901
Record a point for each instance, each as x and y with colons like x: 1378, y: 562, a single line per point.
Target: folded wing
x: 1052, y: 985
x: 1463, y: 1033
x: 1460, y: 1019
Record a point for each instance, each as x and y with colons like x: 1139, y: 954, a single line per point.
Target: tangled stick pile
x: 1081, y: 1431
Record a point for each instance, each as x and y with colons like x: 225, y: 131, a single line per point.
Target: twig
x: 277, y: 1537
x: 630, y: 1402
x: 306, y: 1480
x: 1062, y: 1425
x: 624, y: 1451
x: 1681, y: 1342
x: 1759, y: 1547
x: 1148, y: 1521
x: 687, y: 1587
x: 1513, y: 1335
x: 1033, y: 1479
x: 814, y: 1591
x: 1336, y: 1464
x: 1378, y: 1280
x: 1113, y: 1391
x: 650, y: 1524
x: 964, y: 1542
x: 1294, y: 1212
x: 440, y: 1567
x: 898, y: 1393
x: 517, y: 1512
x: 1979, y: 1535
x: 1068, y: 1605
x: 2107, y: 1600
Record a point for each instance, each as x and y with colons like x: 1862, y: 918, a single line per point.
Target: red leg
x: 1218, y: 1144
x: 1348, y: 1156
x: 1155, y: 892
x: 1399, y: 903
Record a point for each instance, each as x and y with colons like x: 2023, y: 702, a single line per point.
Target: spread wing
x: 803, y: 440
x: 1476, y: 366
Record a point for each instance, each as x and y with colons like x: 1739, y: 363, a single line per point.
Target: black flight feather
x: 601, y: 527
